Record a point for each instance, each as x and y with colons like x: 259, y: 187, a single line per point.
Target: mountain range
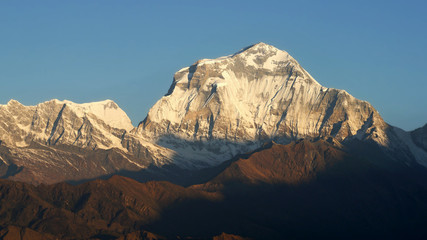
x: 246, y: 145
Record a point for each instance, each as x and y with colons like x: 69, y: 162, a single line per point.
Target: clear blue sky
x: 128, y: 51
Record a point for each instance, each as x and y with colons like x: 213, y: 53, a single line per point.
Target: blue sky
x: 128, y: 51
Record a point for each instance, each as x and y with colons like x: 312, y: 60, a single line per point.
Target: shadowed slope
x: 311, y: 189
x: 278, y: 164
x: 299, y: 191
x: 111, y: 208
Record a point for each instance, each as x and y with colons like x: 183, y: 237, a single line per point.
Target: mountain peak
x: 64, y: 122
x: 106, y: 110
x: 259, y: 45
x: 263, y: 46
x: 258, y: 55
x: 257, y: 94
x: 13, y: 102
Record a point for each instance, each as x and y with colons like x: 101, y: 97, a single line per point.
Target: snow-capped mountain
x: 61, y: 140
x: 89, y: 125
x: 314, y: 160
x: 256, y: 93
x: 217, y: 108
x: 214, y: 110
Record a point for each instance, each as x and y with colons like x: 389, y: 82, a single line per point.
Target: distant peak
x: 263, y: 45
x: 256, y: 47
x: 13, y: 102
x: 106, y: 102
x: 106, y: 110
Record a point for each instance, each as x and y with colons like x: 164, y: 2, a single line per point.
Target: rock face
x: 232, y: 104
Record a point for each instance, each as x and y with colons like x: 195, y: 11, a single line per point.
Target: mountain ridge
x: 214, y: 110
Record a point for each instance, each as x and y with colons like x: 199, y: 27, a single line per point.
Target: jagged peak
x: 259, y: 48
x: 13, y: 102
x: 262, y: 47
x: 259, y: 93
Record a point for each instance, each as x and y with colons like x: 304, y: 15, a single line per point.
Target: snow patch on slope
x: 419, y: 154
